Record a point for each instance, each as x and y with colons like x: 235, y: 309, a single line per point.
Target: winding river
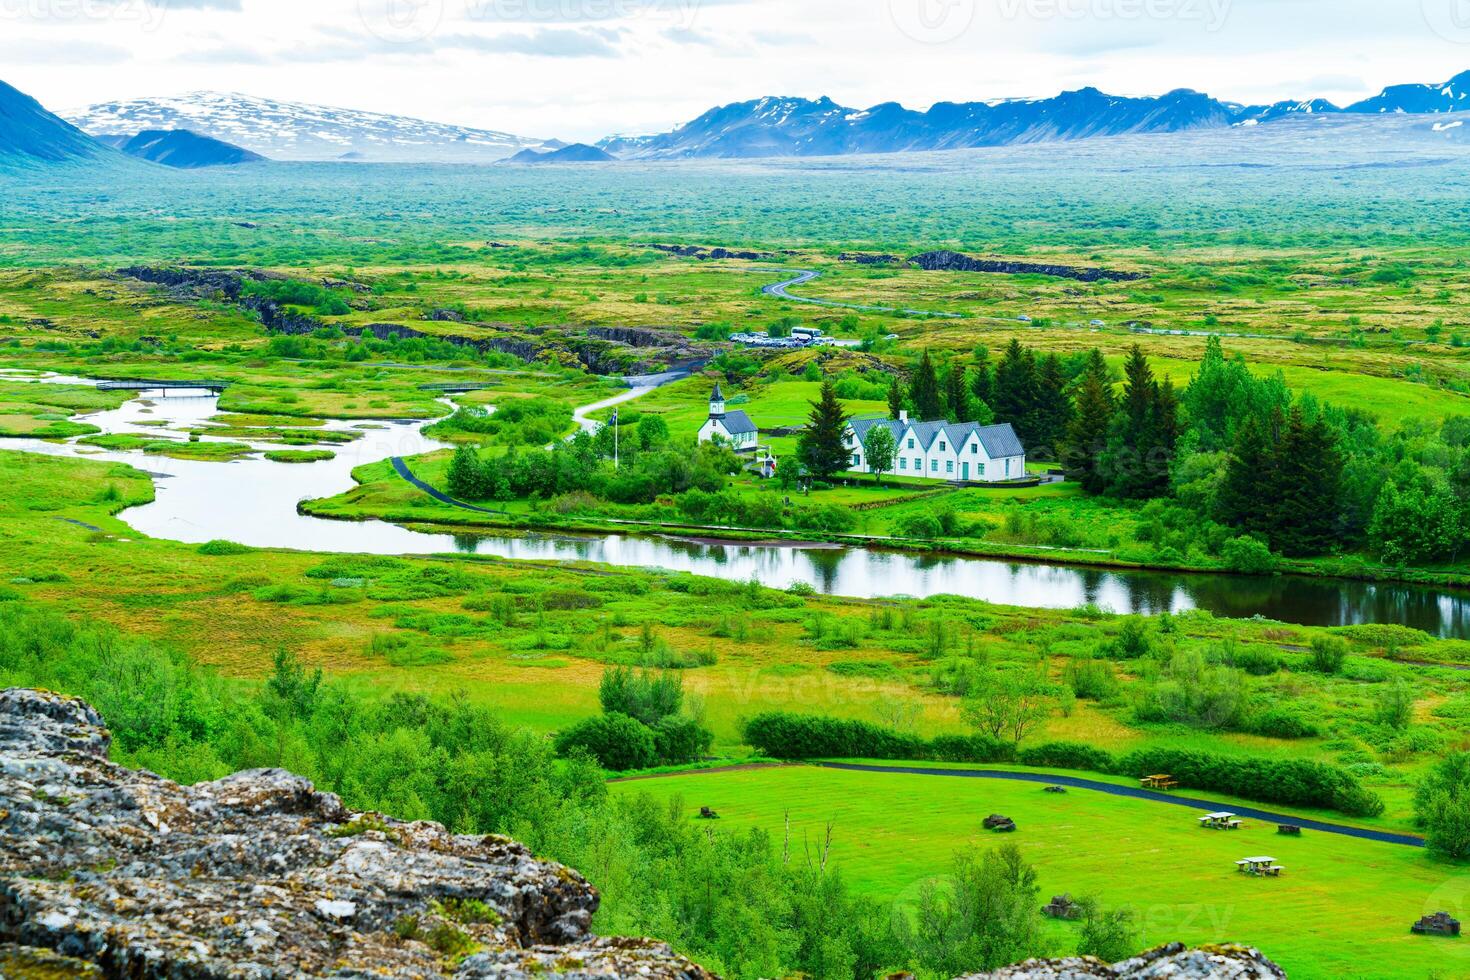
x: 253, y: 501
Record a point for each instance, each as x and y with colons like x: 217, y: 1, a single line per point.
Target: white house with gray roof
x: 735, y: 429
x: 964, y: 452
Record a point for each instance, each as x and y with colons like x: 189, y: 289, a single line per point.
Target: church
x: 735, y: 429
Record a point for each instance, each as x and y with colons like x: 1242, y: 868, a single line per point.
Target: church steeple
x: 717, y: 403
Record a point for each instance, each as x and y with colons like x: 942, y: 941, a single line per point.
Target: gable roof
x: 738, y: 423
x: 999, y: 441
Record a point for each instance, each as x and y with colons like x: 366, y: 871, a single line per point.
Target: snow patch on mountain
x: 297, y: 131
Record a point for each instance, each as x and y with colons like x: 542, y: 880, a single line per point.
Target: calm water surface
x: 253, y: 501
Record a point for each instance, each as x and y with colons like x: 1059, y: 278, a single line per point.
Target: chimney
x: 903, y: 416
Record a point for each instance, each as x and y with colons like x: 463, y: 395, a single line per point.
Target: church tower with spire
x: 717, y: 403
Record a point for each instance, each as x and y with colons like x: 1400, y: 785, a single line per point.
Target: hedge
x: 783, y: 735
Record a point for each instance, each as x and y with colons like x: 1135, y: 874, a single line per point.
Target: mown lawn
x: 1343, y: 908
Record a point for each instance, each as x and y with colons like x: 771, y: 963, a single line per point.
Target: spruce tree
x: 822, y: 448
x: 1141, y: 444
x: 1054, y: 407
x: 895, y: 399
x: 1239, y: 502
x: 957, y: 396
x: 982, y: 378
x: 1303, y: 496
x: 924, y: 391
x: 1017, y: 393
x: 1087, y: 434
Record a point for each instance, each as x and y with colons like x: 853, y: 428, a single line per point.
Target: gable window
x: 942, y: 446
x: 911, y: 444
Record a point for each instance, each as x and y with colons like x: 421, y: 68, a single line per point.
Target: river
x: 253, y: 501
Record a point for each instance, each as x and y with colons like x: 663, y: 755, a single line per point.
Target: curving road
x: 1113, y: 789
x: 803, y: 276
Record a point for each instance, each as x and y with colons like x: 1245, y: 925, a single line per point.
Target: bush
x: 1294, y: 782
x: 1067, y: 755
x: 648, y: 697
x: 677, y: 741
x: 1092, y: 680
x: 617, y: 742
x: 1442, y: 806
x: 782, y: 735
x: 918, y: 526
x: 222, y: 548
x: 975, y: 748
x: 1249, y: 556
x: 1257, y: 659
x: 1283, y: 723
x: 1328, y: 654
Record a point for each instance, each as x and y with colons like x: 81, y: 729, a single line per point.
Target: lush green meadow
x: 1352, y: 289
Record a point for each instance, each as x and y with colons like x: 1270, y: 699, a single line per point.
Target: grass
x: 1343, y: 908
x: 300, y: 455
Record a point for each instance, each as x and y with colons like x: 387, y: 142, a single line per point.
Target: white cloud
x: 584, y: 68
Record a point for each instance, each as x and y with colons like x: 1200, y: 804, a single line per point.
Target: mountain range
x: 207, y: 128
x: 786, y: 127
x: 296, y: 131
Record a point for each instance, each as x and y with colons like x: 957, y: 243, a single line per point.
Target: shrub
x: 616, y: 741
x: 1295, y: 782
x: 648, y: 697
x: 1249, y: 556
x: 677, y: 741
x: 1067, y: 755
x: 1283, y: 723
x: 783, y: 735
x: 1093, y: 680
x: 918, y: 526
x: 221, y: 548
x: 1442, y: 806
x: 1328, y: 654
x: 974, y: 748
x: 1257, y: 659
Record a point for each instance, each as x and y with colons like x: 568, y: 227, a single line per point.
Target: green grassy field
x: 894, y: 832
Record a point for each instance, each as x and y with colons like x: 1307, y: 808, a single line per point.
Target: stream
x: 253, y: 501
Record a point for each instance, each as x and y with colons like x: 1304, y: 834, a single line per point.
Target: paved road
x: 402, y: 468
x: 1113, y: 789
x: 802, y: 277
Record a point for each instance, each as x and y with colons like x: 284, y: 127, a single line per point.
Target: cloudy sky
x: 579, y: 69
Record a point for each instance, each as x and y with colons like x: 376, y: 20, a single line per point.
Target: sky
x: 583, y: 69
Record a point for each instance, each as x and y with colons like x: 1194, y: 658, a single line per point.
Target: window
x: 949, y: 466
x: 918, y: 464
x: 911, y: 444
x: 975, y: 449
x: 934, y: 466
x: 857, y: 461
x: 903, y: 462
x: 942, y: 447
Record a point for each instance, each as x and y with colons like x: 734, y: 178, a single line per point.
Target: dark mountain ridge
x: 29, y: 132
x: 782, y: 127
x: 186, y: 150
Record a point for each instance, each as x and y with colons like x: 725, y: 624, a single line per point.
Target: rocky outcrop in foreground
x: 111, y: 872
x: 1173, y: 962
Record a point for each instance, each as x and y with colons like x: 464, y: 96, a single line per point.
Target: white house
x: 733, y: 428
x: 964, y: 452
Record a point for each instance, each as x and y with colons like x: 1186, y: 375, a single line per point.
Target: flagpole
x: 616, y: 462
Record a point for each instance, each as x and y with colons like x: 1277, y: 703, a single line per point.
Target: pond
x: 253, y: 501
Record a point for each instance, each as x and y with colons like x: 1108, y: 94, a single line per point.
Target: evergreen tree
x: 895, y: 399
x: 822, y: 448
x: 1054, y: 406
x: 1238, y: 502
x: 1017, y: 392
x: 924, y: 391
x: 982, y: 378
x: 1087, y: 434
x: 1302, y: 495
x: 957, y: 395
x: 1143, y: 434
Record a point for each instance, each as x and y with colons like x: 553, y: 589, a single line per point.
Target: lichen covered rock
x: 1173, y: 962
x: 258, y: 875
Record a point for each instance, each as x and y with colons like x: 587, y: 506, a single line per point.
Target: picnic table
x: 1220, y: 821
x: 1163, y: 781
x: 1260, y: 867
